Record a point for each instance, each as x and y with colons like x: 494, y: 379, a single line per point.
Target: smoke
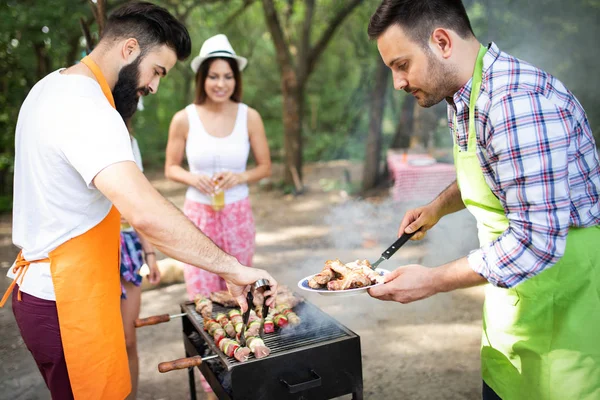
x: 557, y: 36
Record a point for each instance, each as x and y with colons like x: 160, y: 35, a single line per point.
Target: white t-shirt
x: 67, y: 132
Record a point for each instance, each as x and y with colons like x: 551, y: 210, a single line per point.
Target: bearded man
x: 74, y: 168
x: 528, y: 171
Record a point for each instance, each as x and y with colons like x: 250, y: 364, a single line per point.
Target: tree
x: 371, y: 173
x: 295, y: 72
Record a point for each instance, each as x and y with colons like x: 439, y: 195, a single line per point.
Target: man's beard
x: 126, y: 91
x: 441, y: 80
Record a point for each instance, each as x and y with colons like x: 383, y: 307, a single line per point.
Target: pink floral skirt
x: 232, y: 229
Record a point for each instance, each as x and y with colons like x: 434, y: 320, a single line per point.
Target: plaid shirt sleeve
x: 527, y: 140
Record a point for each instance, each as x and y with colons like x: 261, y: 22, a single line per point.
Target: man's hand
x: 419, y: 219
x: 407, y: 284
x: 239, y: 280
x: 154, y: 276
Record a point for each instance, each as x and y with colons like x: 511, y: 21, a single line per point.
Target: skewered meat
x: 203, y: 306
x: 228, y: 346
x: 257, y: 346
x: 235, y: 316
x: 269, y: 325
x: 253, y: 327
x: 280, y: 320
x: 226, y: 324
x: 231, y: 348
x: 292, y: 318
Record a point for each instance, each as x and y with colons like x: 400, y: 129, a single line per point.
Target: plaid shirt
x: 538, y: 156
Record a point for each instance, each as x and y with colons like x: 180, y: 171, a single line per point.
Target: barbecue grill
x: 318, y: 359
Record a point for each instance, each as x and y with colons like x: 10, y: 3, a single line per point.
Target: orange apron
x: 86, y: 279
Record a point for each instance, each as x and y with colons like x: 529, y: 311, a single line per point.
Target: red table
x: 416, y: 182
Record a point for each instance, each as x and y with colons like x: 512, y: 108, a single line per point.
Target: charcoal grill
x: 318, y: 359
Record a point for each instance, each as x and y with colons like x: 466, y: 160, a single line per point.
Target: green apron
x: 541, y: 339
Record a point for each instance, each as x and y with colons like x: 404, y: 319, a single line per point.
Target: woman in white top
x: 216, y: 133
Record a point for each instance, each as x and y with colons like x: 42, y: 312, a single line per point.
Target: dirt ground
x: 425, y: 350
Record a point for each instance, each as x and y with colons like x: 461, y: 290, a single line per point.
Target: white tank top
x: 207, y: 154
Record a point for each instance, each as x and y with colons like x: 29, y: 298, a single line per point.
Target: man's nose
x: 153, y: 86
x: 400, y: 82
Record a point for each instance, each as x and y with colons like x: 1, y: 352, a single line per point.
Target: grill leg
x: 192, y: 380
x: 357, y: 395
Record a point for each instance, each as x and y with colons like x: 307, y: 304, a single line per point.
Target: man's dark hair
x: 419, y: 18
x: 202, y: 74
x: 151, y: 25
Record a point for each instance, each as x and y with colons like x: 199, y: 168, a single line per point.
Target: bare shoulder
x: 254, y: 118
x: 179, y: 123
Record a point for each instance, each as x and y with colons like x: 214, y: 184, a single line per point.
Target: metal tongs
x: 393, y: 249
x: 261, y: 285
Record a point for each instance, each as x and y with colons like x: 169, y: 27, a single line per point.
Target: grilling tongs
x: 393, y: 248
x: 260, y: 285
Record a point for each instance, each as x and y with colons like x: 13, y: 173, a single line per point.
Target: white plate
x: 422, y: 162
x: 303, y: 284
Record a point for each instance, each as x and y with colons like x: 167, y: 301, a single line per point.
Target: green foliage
x: 555, y: 35
x: 34, y: 40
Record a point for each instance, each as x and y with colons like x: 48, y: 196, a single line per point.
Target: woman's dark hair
x: 419, y: 18
x: 202, y: 74
x: 151, y: 25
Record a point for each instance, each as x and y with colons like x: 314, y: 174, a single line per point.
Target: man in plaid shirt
x: 528, y: 170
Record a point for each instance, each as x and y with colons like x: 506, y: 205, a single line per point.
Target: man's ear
x: 130, y: 50
x: 441, y: 42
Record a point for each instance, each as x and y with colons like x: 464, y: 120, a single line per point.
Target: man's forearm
x: 449, y: 201
x: 175, y: 235
x: 456, y: 275
x: 160, y: 221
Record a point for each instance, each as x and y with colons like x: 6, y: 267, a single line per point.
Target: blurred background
x: 337, y: 101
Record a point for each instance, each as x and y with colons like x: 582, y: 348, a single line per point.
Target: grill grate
x: 315, y: 328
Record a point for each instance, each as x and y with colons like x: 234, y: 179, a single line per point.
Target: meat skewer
x: 292, y: 318
x: 280, y: 320
x: 269, y: 325
x: 226, y: 324
x: 230, y: 347
x: 203, y: 306
x: 257, y: 346
x: 235, y: 316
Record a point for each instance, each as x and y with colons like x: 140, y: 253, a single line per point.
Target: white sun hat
x: 217, y: 46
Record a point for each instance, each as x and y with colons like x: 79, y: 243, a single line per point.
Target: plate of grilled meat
x: 339, y: 279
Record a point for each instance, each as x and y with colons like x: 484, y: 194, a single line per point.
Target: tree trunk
x: 292, y: 126
x: 373, y: 151
x: 73, y: 53
x: 405, y: 125
x: 424, y: 126
x: 43, y: 61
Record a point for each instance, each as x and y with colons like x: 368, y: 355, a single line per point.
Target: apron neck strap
x: 475, y: 87
x: 87, y: 60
